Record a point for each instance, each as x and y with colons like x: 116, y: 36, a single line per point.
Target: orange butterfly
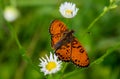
x: 66, y: 46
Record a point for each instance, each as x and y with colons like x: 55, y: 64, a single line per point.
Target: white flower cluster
x: 11, y: 14
x: 50, y: 64
x: 68, y: 10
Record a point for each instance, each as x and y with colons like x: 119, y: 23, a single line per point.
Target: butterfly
x: 66, y: 45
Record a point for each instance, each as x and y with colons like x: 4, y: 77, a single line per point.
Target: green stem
x: 64, y: 67
x: 109, y: 51
x: 105, y: 10
x: 14, y: 35
x: 63, y: 70
x: 50, y: 76
x: 21, y: 49
x: 96, y: 19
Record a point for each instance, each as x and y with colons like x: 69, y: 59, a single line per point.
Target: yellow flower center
x: 50, y: 66
x: 68, y: 12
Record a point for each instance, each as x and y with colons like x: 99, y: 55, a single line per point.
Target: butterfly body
x: 66, y: 46
x: 67, y: 38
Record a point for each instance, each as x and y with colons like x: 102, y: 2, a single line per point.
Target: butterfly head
x: 68, y: 32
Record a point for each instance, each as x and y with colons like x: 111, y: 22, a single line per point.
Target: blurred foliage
x: 32, y: 31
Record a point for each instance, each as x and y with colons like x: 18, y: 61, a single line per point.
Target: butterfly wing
x: 64, y: 52
x: 59, y: 37
x: 79, y: 55
x: 56, y: 30
x: 66, y: 46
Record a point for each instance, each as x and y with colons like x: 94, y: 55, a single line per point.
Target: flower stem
x: 14, y: 35
x: 63, y: 69
x: 112, y: 5
x: 21, y: 49
x: 65, y: 66
x: 50, y: 76
x: 95, y: 20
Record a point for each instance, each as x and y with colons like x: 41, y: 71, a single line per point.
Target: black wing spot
x: 58, y: 53
x: 63, y: 58
x: 87, y: 59
x: 79, y: 46
x: 74, y: 46
x: 60, y: 24
x: 67, y: 50
x: 67, y: 46
x: 75, y: 60
x: 81, y: 50
x: 74, y: 42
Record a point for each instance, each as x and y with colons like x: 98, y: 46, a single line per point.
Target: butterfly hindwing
x: 79, y: 55
x: 64, y: 52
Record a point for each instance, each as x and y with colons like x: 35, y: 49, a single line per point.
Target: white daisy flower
x: 11, y: 13
x: 68, y: 10
x: 50, y: 64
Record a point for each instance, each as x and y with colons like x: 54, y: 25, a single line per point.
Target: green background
x: 32, y: 31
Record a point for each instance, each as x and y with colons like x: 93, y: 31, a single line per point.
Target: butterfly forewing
x: 57, y: 28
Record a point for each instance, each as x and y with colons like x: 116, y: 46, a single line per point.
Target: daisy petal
x: 49, y: 64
